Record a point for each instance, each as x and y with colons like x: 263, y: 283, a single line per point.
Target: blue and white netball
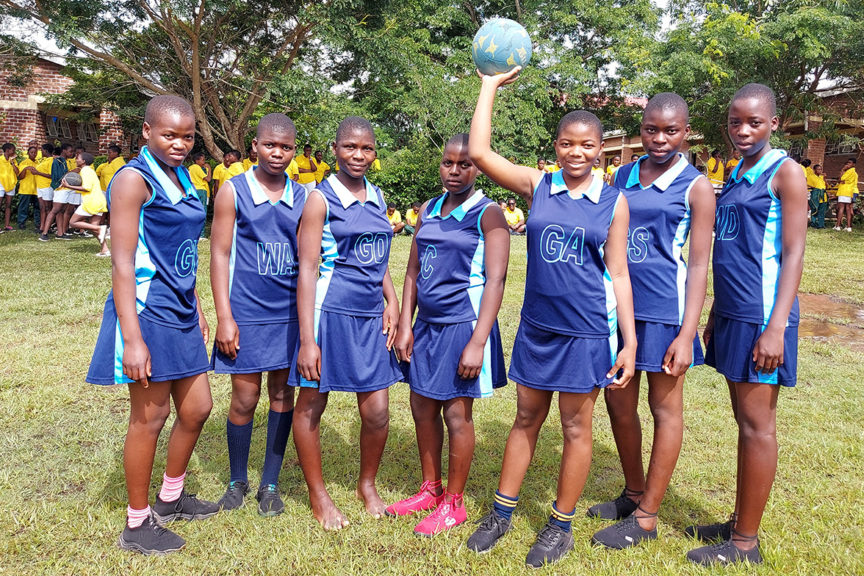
x: 499, y: 46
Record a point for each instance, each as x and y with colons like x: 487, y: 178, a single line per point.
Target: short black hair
x: 852, y: 160
x: 415, y: 205
x: 305, y: 146
x: 806, y: 162
x: 237, y: 154
x: 580, y: 117
x: 461, y: 139
x: 8, y: 146
x: 34, y: 147
x: 87, y: 158
x: 391, y: 205
x: 511, y: 199
x: 816, y: 166
x: 197, y: 155
x: 114, y: 148
x: 48, y: 148
x: 275, y: 122
x: 668, y: 101
x: 759, y: 92
x: 167, y: 104
x: 80, y: 147
x: 66, y: 146
x: 352, y: 123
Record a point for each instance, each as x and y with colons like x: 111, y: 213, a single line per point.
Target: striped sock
x: 504, y: 505
x: 171, y: 487
x: 561, y: 519
x: 134, y: 518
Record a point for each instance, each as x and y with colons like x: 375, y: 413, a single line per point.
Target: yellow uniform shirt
x: 247, y: 163
x: 107, y: 170
x: 223, y: 174
x: 71, y: 164
x: 304, y: 163
x: 93, y: 201
x: 513, y: 217
x: 814, y: 181
x: 45, y: 167
x: 715, y: 171
x: 27, y: 184
x: 730, y: 165
x: 848, y: 183
x: 597, y: 172
x: 611, y: 169
x: 197, y: 175
x: 411, y: 217
x: 394, y: 218
x: 292, y: 171
x: 8, y: 179
x: 376, y: 165
x: 322, y: 168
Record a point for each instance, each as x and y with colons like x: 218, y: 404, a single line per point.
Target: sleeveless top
x: 262, y: 282
x: 355, y: 249
x: 659, y: 226
x: 166, y: 257
x: 452, y: 253
x: 568, y: 289
x: 748, y: 244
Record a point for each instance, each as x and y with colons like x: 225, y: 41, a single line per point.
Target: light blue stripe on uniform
x: 329, y: 254
x: 144, y: 267
x: 772, y: 249
x: 611, y: 301
x: 119, y: 376
x: 232, y: 259
x: 476, y: 286
x: 678, y: 241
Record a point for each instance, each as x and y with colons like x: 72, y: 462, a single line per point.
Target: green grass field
x: 62, y: 494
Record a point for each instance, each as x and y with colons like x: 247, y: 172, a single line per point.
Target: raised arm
x: 518, y: 179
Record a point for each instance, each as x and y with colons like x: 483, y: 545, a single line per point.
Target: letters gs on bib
x: 371, y: 247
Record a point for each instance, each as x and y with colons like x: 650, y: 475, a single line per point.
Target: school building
x: 847, y: 116
x: 26, y: 117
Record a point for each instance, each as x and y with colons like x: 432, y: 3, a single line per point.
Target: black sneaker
x: 492, y: 527
x: 712, y: 532
x: 187, y: 507
x: 551, y: 545
x: 269, y: 502
x: 724, y: 553
x: 44, y: 238
x: 233, y: 497
x: 85, y: 234
x: 617, y: 509
x: 624, y: 534
x: 66, y: 236
x: 150, y: 539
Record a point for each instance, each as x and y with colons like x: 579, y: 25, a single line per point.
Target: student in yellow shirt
x: 395, y: 218
x: 376, y: 164
x: 230, y: 166
x: 44, y: 191
x: 846, y: 191
x: 541, y: 165
x: 27, y: 189
x: 307, y: 168
x: 199, y: 173
x: 732, y: 162
x: 107, y: 170
x: 294, y: 172
x: 516, y: 218
x: 596, y: 170
x: 88, y: 216
x: 251, y: 158
x: 715, y: 171
x: 8, y: 181
x: 323, y: 168
x: 818, y: 197
x: 411, y: 216
x: 610, y: 170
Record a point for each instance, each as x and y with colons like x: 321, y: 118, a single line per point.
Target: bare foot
x: 326, y: 512
x: 369, y: 495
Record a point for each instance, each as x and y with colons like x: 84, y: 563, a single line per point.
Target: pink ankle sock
x: 171, y: 487
x: 134, y: 518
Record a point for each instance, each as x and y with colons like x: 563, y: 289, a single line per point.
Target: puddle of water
x: 846, y: 324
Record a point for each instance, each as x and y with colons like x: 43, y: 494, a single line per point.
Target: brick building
x: 25, y: 116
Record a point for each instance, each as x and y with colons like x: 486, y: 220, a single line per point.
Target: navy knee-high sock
x: 239, y: 439
x: 278, y: 429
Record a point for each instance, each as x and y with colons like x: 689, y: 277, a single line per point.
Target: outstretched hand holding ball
x: 499, y: 46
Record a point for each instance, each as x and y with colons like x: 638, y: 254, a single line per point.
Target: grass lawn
x: 63, y: 499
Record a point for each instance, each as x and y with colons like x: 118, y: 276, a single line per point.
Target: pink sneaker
x: 449, y: 514
x: 422, y: 500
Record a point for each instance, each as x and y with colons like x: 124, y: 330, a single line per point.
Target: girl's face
x: 576, y: 148
x: 750, y: 125
x: 663, y: 132
x: 818, y: 170
x: 355, y: 152
x: 274, y: 150
x: 457, y: 171
x: 847, y: 166
x: 201, y: 161
x: 253, y: 154
x: 170, y: 138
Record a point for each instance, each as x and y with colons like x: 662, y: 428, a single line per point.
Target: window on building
x: 89, y: 132
x: 57, y: 127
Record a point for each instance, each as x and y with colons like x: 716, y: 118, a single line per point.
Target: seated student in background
x: 323, y: 168
x: 251, y: 158
x: 515, y: 217
x: 715, y: 170
x: 395, y: 218
x: 307, y: 168
x: 411, y: 218
x: 230, y: 166
x: 27, y: 189
x: 89, y: 215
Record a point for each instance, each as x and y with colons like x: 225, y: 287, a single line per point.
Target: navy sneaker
x: 552, y: 544
x: 724, y: 553
x: 492, y: 528
x: 712, y: 532
x: 624, y: 534
x: 617, y: 509
x: 150, y: 538
x: 233, y: 497
x: 187, y: 507
x: 269, y: 501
